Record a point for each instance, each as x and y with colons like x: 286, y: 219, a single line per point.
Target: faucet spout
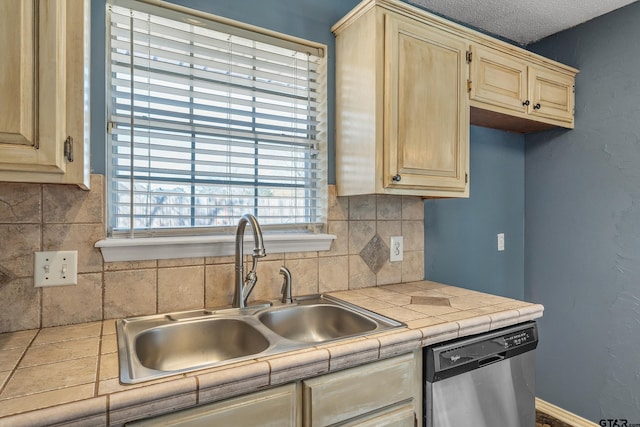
x: 244, y: 286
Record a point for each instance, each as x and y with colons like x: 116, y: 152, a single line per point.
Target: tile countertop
x: 69, y: 374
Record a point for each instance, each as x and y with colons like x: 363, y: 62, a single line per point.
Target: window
x: 209, y: 119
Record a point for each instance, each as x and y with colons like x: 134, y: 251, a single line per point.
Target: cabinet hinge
x: 68, y: 149
x: 469, y: 57
x: 466, y: 178
x: 468, y: 85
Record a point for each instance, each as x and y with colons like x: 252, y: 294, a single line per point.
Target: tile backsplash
x: 43, y: 217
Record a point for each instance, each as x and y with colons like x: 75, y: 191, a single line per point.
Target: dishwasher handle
x: 491, y: 359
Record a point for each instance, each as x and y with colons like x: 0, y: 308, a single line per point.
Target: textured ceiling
x: 522, y: 21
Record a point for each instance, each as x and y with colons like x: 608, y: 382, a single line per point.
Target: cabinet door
x: 498, y: 79
x: 402, y: 415
x: 275, y: 407
x: 426, y: 109
x: 343, y: 396
x: 32, y: 85
x: 551, y: 95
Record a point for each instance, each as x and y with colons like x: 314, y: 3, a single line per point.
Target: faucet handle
x: 286, y: 285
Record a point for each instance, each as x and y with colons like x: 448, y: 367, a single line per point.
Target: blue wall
x: 583, y: 226
x: 460, y: 234
x: 307, y: 19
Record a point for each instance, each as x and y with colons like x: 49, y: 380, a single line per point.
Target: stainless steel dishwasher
x: 486, y: 380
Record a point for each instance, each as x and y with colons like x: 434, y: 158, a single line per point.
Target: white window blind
x: 208, y: 121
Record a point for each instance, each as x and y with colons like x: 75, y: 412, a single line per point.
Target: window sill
x: 149, y: 248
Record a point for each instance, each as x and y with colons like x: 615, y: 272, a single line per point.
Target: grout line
x: 15, y: 368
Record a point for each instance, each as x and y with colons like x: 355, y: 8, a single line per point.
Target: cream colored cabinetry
x: 44, y: 91
x: 512, y: 92
x: 402, y: 107
x: 385, y: 393
x: 274, y: 407
x: 409, y: 83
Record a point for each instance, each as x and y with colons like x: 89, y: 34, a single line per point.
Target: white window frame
x: 220, y: 242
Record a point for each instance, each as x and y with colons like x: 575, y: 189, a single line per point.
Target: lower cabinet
x: 386, y: 393
x: 276, y: 407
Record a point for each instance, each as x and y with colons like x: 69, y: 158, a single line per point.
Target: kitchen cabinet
x: 409, y: 84
x: 44, y: 91
x: 273, y: 407
x: 383, y: 393
x: 402, y: 107
x: 532, y: 96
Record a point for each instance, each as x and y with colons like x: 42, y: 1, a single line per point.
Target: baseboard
x: 562, y: 415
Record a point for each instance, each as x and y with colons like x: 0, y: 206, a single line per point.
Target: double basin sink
x: 160, y: 345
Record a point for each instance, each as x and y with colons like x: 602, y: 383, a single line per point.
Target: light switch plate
x: 55, y: 268
x: 500, y: 242
x: 395, y: 249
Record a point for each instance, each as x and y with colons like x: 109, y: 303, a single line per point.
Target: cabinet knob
x: 537, y: 106
x: 396, y: 178
x: 525, y: 103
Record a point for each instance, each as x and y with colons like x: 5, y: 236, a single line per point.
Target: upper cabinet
x: 511, y: 92
x: 402, y: 107
x: 44, y: 91
x: 409, y: 84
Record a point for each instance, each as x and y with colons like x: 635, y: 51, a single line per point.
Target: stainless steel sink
x: 156, y: 346
x: 183, y: 345
x: 316, y: 323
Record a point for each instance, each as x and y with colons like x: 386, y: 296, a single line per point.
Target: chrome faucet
x: 244, y: 286
x: 286, y: 286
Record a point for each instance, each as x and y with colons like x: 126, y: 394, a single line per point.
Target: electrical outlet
x: 395, y: 249
x: 500, y: 242
x: 55, y: 268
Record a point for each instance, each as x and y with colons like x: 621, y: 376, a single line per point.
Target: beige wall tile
x: 412, y: 208
x: 66, y: 305
x: 20, y: 203
x: 362, y: 207
x: 338, y: 206
x: 389, y: 207
x: 129, y: 265
x: 391, y: 272
x: 219, y: 282
x: 220, y: 259
x: 333, y: 274
x: 360, y: 233
x: 19, y: 306
x: 386, y: 229
x: 180, y: 262
x: 340, y: 245
x: 304, y: 275
x: 129, y: 293
x: 413, y: 266
x: 360, y: 275
x: 19, y: 242
x: 298, y: 255
x: 269, y: 282
x: 180, y: 288
x: 76, y: 237
x: 413, y: 232
x: 68, y: 204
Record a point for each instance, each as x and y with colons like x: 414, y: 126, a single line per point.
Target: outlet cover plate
x: 55, y: 268
x: 395, y: 249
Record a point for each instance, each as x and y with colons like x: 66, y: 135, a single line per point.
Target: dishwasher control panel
x: 469, y: 353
